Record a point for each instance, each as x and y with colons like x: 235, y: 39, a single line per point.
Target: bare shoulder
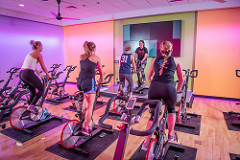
x: 177, y: 61
x: 94, y: 58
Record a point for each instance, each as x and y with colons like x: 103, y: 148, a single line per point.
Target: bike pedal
x: 176, y: 157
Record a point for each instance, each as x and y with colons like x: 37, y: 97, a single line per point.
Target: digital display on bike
x: 131, y: 103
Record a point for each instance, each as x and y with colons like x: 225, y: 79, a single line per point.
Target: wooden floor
x: 215, y: 141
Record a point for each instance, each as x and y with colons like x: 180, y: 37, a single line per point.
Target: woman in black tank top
x: 162, y: 86
x: 86, y: 82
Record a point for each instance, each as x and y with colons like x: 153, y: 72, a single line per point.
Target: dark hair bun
x: 32, y: 42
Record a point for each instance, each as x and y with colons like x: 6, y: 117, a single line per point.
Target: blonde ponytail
x: 88, y: 49
x: 165, y: 45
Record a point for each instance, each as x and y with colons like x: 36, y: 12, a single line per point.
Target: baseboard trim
x: 213, y: 97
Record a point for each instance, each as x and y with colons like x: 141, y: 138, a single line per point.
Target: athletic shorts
x: 87, y: 85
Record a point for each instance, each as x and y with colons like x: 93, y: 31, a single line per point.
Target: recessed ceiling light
x: 21, y: 5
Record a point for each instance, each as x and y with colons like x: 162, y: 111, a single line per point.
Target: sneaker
x: 85, y: 132
x: 143, y: 84
x: 145, y: 146
x: 45, y: 114
x: 172, y: 137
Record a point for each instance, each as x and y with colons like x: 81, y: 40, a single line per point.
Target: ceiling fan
x: 58, y: 15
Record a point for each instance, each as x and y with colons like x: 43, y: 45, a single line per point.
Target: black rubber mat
x: 234, y: 156
x: 94, y: 146
x: 117, y: 117
x: 4, y: 115
x: 56, y: 102
x: 73, y: 109
x: 173, y: 150
x: 232, y: 120
x: 5, y: 118
x: 144, y: 92
x: 191, y: 126
x: 47, y: 125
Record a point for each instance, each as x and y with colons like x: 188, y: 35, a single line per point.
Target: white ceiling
x: 90, y: 11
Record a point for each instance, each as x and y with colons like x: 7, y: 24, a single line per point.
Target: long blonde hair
x: 165, y: 45
x: 88, y: 49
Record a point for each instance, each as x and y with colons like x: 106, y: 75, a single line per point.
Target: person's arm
x: 150, y: 71
x: 133, y: 64
x: 99, y: 64
x: 145, y: 55
x: 179, y: 75
x: 40, y: 60
x: 135, y: 56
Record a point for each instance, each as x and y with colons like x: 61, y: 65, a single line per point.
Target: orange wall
x: 218, y: 53
x: 100, y: 33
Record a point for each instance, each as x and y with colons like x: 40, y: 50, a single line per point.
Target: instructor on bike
x: 141, y: 56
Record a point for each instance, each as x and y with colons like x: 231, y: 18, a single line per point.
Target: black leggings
x: 28, y: 77
x: 128, y: 77
x: 164, y: 91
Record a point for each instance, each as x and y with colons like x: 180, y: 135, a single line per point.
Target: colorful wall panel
x: 187, y: 37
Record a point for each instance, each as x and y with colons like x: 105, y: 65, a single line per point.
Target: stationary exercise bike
x: 157, y: 147
x: 24, y: 117
x: 128, y: 121
x: 71, y: 136
x: 238, y: 75
x: 235, y: 116
x: 182, y: 116
x: 6, y: 88
x: 56, y: 92
x: 17, y: 94
x: 119, y: 106
x: 140, y: 82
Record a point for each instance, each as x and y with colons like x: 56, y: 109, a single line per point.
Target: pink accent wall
x: 101, y: 33
x: 218, y: 53
x: 15, y: 35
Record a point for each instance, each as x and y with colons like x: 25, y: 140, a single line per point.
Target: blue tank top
x: 168, y: 70
x: 126, y: 62
x: 87, y: 69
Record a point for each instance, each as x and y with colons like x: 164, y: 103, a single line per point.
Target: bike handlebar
x: 70, y: 68
x: 237, y: 73
x: 192, y: 74
x: 107, y: 79
x: 102, y: 119
x: 55, y: 67
x: 13, y: 70
x: 157, y: 112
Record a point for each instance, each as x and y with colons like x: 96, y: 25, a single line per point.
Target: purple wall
x: 15, y: 35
